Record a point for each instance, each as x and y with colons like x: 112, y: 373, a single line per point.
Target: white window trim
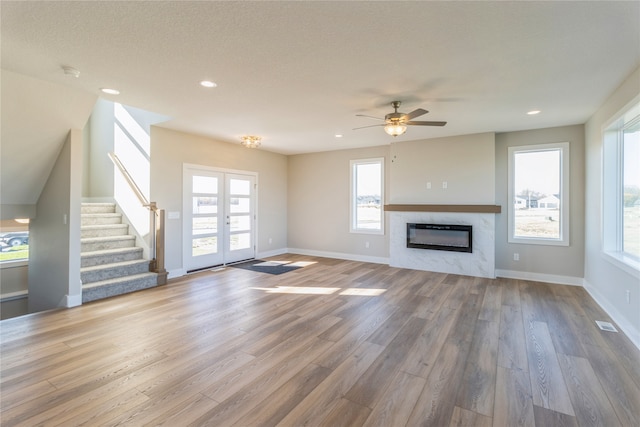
x: 353, y: 201
x: 611, y: 214
x: 563, y: 240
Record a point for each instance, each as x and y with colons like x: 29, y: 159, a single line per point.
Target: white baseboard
x: 339, y: 255
x: 267, y: 254
x: 540, y: 277
x: 178, y: 272
x: 619, y: 319
x: 69, y: 301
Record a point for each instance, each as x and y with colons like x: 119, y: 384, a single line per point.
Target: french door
x: 219, y: 217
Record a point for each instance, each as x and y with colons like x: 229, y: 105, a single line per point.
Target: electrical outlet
x: 444, y: 184
x: 628, y: 296
x: 516, y: 256
x: 428, y: 185
x: 366, y: 245
x: 270, y: 240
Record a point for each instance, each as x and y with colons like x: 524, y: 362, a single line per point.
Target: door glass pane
x: 241, y: 187
x: 205, y: 184
x: 239, y: 205
x: 240, y: 223
x: 205, y: 205
x: 205, y: 225
x: 240, y: 241
x: 204, y: 246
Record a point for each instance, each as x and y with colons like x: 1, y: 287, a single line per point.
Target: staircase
x: 111, y: 264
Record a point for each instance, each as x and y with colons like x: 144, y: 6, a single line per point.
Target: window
x: 14, y: 240
x: 621, y: 188
x: 539, y: 194
x: 367, y: 196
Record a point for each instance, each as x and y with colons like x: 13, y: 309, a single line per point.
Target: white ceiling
x: 297, y: 73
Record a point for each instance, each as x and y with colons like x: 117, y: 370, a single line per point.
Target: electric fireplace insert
x: 440, y: 237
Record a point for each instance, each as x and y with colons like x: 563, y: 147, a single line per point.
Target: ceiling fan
x: 396, y: 123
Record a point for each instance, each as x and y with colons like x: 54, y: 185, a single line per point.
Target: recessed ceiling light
x: 533, y: 112
x: 338, y: 135
x: 207, y: 83
x: 110, y: 91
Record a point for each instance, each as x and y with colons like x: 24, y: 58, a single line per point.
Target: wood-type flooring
x: 336, y: 343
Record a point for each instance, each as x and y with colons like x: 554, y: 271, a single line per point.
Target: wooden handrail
x: 156, y: 223
x: 125, y: 173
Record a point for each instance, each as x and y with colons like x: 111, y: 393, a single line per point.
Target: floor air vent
x: 606, y: 326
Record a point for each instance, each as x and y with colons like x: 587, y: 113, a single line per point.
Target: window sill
x: 365, y: 231
x: 14, y: 263
x: 537, y: 241
x: 624, y: 262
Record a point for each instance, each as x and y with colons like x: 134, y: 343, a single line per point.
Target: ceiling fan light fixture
x: 395, y: 129
x: 250, y: 141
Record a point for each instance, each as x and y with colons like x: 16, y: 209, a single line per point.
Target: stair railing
x: 156, y: 221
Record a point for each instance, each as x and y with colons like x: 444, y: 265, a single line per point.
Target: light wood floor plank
x: 512, y: 348
x: 464, y: 418
x: 477, y: 390
x: 591, y: 405
x: 547, y: 382
x: 513, y: 402
x: 396, y: 404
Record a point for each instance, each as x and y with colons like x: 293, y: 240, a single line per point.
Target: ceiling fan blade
x: 370, y: 117
x: 370, y: 126
x: 426, y: 123
x: 415, y: 113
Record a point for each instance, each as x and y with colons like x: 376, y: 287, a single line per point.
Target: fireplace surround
x: 479, y: 263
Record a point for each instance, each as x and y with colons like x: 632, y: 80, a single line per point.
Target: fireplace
x: 441, y: 237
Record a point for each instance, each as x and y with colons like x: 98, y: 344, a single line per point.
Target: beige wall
x: 319, y: 206
x: 558, y: 263
x: 465, y: 163
x: 171, y: 149
x: 606, y: 281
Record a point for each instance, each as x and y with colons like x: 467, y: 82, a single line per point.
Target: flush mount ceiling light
x: 251, y: 141
x: 70, y: 71
x: 208, y: 83
x: 110, y: 91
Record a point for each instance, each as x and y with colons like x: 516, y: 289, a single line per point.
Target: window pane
x: 240, y: 223
x: 240, y: 187
x: 537, y: 197
x: 240, y: 241
x: 368, y: 196
x: 204, y: 246
x: 205, y: 184
x: 205, y: 205
x: 631, y: 193
x: 14, y: 241
x: 239, y: 204
x: 205, y: 225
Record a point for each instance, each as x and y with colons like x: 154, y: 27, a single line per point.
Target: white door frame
x: 190, y: 168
